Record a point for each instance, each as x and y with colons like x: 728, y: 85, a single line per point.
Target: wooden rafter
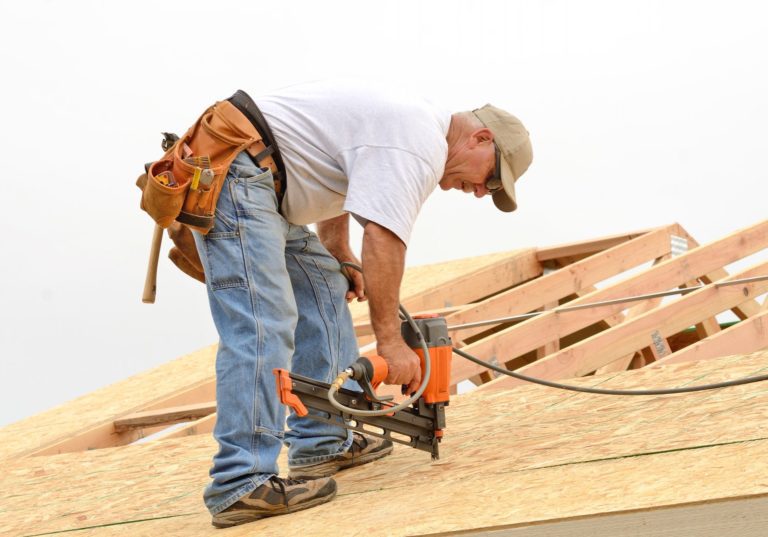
x: 572, y: 252
x: 745, y: 337
x: 595, y: 352
x: 105, y: 434
x: 623, y: 363
x: 567, y: 281
x: 164, y: 416
x: 521, y: 266
x: 536, y: 332
x: 560, y: 440
x: 515, y: 284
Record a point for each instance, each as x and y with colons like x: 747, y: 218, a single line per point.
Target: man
x: 276, y: 291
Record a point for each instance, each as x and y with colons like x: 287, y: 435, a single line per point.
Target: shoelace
x: 359, y: 441
x: 279, y: 483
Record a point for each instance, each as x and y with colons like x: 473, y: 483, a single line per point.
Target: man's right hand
x: 404, y: 365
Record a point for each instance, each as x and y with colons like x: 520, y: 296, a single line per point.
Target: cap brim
x: 504, y: 199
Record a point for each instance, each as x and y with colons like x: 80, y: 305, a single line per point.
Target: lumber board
x: 597, y: 351
x: 427, y: 287
x: 587, y: 247
x: 203, y: 425
x: 567, y: 281
x: 624, y: 362
x: 542, y: 456
x: 168, y: 415
x: 534, y: 333
x: 479, y: 283
x: 365, y: 328
x: 552, y: 346
x: 434, y: 288
x: 747, y: 309
x: 744, y: 337
x: 743, y: 311
x: 707, y: 328
x: 105, y: 434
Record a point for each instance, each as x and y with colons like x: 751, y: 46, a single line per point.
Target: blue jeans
x: 277, y: 298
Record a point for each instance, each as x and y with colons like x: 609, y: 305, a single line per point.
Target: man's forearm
x: 383, y: 260
x: 334, y: 234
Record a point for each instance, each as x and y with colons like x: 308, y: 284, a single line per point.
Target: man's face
x: 471, y: 165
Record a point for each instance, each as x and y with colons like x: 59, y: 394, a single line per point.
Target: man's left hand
x: 355, y: 277
x: 334, y: 234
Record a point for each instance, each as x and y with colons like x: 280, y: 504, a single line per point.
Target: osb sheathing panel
x: 134, y: 393
x: 102, y: 405
x: 509, y: 457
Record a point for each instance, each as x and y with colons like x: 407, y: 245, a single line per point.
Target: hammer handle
x: 150, y: 283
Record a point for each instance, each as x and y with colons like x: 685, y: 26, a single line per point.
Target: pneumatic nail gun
x: 419, y: 425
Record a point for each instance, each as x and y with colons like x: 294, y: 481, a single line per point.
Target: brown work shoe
x: 364, y: 449
x: 276, y: 497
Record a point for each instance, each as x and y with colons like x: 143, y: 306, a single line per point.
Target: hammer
x: 150, y: 282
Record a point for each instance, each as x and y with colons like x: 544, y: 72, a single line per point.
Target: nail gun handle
x: 370, y: 372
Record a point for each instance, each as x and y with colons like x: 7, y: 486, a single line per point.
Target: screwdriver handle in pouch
x: 150, y: 282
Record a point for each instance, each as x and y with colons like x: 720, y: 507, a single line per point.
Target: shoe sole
x: 246, y: 519
x: 327, y: 469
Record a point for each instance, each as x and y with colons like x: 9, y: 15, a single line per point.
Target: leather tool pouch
x: 172, y: 188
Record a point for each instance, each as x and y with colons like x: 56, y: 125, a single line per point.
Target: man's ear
x: 482, y: 135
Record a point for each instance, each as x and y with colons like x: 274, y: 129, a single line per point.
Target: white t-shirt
x: 351, y: 146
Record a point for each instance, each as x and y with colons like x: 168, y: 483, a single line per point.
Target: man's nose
x: 481, y: 191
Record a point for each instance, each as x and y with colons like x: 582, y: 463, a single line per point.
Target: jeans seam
x: 331, y: 293
x: 254, y: 299
x: 334, y: 355
x: 322, y: 458
x: 266, y: 430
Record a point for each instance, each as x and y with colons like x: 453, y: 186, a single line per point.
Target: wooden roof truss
x: 555, y: 344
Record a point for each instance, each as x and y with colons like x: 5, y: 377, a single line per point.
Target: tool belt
x: 184, y: 185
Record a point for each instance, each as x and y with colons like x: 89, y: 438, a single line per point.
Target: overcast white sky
x: 641, y: 114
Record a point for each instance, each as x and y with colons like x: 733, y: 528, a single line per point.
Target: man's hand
x: 404, y: 365
x: 334, y: 234
x: 355, y: 277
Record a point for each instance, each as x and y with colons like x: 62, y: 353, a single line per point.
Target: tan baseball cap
x: 514, y: 153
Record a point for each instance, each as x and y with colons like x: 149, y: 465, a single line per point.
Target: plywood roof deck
x: 510, y: 457
x: 191, y: 374
x: 517, y: 460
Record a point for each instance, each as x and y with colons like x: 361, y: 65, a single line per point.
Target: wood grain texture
x: 597, y: 351
x: 510, y: 457
x: 566, y: 281
x: 517, y: 457
x: 425, y: 284
x: 588, y: 247
x: 87, y: 422
x: 165, y: 415
x: 533, y: 333
x: 742, y: 338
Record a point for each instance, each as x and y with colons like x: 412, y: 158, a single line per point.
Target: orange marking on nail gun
x: 285, y: 391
